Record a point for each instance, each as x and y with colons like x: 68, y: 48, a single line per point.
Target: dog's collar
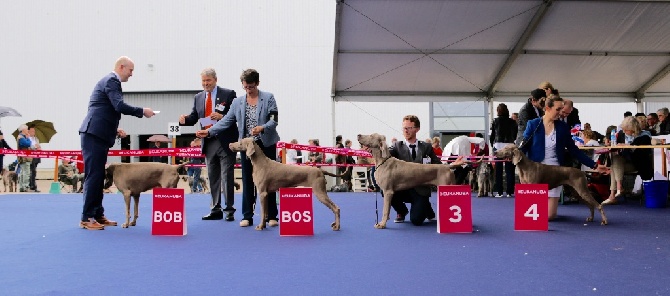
x: 383, y: 161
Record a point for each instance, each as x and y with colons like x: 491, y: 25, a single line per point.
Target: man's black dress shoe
x: 213, y: 216
x: 230, y: 216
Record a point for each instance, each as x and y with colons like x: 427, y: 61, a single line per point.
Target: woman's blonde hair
x: 630, y: 123
x: 546, y: 84
x: 436, y: 140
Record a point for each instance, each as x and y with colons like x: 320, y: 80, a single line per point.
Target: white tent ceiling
x: 438, y: 50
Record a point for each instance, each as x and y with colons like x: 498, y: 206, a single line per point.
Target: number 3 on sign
x: 173, y: 129
x: 454, y: 209
x: 532, y: 212
x: 457, y: 214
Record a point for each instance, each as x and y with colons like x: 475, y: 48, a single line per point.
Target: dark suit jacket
x: 224, y: 99
x: 573, y: 118
x: 526, y: 114
x: 665, y: 127
x: 423, y: 150
x: 535, y: 149
x: 105, y: 108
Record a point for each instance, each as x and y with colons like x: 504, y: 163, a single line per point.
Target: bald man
x: 98, y: 133
x: 569, y: 114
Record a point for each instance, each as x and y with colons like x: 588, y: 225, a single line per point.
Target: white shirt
x: 461, y: 146
x: 291, y: 156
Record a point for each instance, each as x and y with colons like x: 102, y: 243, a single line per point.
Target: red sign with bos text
x: 168, y: 215
x: 295, y: 211
x: 531, y: 207
x: 454, y: 209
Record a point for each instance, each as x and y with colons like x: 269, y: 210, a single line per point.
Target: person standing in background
x: 34, y: 145
x: 23, y: 143
x: 530, y: 111
x: 3, y: 144
x: 503, y: 133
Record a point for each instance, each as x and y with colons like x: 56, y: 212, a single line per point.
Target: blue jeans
x: 194, y: 172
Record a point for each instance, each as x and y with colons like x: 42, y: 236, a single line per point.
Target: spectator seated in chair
x: 631, y: 159
x: 69, y: 175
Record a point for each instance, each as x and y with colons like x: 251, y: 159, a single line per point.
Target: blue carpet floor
x: 43, y: 252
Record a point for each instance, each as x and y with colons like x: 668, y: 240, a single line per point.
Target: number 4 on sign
x: 532, y: 212
x: 531, y: 207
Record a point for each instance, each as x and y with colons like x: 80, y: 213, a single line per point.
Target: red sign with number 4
x: 531, y: 207
x: 454, y: 209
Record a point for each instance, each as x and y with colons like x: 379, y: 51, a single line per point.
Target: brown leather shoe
x: 106, y: 222
x: 91, y: 224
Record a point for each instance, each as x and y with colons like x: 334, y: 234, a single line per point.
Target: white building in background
x: 52, y: 63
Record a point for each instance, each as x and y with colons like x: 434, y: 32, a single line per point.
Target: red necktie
x: 208, y: 107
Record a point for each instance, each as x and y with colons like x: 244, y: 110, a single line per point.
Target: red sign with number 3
x: 454, y: 209
x: 531, y: 207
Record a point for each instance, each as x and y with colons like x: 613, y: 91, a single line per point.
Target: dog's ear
x: 109, y: 176
x: 516, y: 156
x: 383, y: 147
x: 251, y: 147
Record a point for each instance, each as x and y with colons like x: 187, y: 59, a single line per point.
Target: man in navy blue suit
x: 98, y: 133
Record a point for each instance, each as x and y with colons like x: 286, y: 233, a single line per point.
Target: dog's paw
x: 260, y: 227
x: 124, y: 225
x: 335, y: 226
x: 604, y: 222
x: 380, y: 226
x: 133, y: 223
x: 589, y: 219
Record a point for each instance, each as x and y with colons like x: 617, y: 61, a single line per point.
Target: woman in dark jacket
x: 503, y: 133
x: 631, y: 159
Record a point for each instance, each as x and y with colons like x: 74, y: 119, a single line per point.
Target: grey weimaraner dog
x: 134, y: 178
x: 204, y: 182
x: 484, y: 179
x: 391, y: 173
x: 9, y: 180
x: 531, y: 172
x: 270, y: 175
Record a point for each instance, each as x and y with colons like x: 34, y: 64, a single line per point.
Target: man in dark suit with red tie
x: 98, y: 133
x: 213, y: 103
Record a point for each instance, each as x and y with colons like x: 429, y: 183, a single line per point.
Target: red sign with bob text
x: 168, y: 216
